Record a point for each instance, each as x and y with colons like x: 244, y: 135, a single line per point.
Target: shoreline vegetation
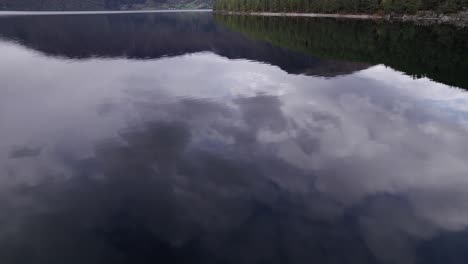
x: 274, y: 14
x: 424, y: 11
x: 458, y: 19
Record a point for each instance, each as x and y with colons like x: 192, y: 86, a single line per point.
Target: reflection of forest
x: 149, y: 36
x: 437, y: 52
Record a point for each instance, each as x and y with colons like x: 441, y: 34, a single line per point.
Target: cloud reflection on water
x: 199, y: 158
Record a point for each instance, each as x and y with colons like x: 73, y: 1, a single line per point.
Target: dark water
x: 181, y: 138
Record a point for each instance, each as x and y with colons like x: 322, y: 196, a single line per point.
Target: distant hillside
x: 76, y: 5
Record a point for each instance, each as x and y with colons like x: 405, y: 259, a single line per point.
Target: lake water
x: 193, y: 138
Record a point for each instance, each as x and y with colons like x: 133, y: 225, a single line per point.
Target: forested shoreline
x: 342, y: 6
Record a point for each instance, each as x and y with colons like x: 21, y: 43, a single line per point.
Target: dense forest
x: 341, y: 6
x: 72, y: 5
x: 437, y: 52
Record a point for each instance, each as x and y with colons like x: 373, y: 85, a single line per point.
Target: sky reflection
x: 202, y: 159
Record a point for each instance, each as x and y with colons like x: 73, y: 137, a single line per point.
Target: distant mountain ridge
x: 88, y: 5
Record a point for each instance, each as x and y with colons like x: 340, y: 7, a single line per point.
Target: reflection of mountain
x: 146, y: 36
x: 438, y: 52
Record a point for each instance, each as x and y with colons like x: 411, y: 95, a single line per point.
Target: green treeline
x: 437, y: 52
x: 340, y: 6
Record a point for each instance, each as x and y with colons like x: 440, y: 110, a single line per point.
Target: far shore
x: 30, y: 13
x: 459, y: 19
x: 353, y: 16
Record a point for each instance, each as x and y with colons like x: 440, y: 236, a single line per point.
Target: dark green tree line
x: 340, y: 6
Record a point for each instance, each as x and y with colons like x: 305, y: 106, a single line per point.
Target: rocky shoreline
x: 428, y: 17
x: 459, y: 19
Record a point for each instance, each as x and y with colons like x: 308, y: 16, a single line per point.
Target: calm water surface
x: 184, y: 138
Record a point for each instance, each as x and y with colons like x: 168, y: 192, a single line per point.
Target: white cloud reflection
x: 375, y: 133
